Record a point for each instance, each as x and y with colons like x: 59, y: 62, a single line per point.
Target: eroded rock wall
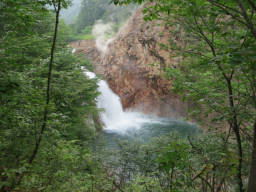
x: 132, y: 66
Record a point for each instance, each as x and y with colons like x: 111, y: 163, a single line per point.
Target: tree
x: 217, y: 35
x: 26, y: 41
x: 57, y: 8
x: 89, y: 13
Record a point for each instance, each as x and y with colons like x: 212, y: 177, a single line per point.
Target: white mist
x: 101, y: 31
x: 114, y: 118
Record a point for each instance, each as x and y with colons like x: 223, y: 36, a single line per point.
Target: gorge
x: 134, y: 61
x: 133, y: 67
x: 141, y: 99
x: 131, y: 124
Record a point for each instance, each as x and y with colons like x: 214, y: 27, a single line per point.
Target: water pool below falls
x: 130, y: 124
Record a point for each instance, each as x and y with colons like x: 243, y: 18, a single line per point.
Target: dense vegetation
x: 98, y: 10
x: 42, y: 114
x: 47, y: 105
x: 216, y: 40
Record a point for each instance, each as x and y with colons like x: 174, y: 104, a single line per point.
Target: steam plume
x: 102, y: 32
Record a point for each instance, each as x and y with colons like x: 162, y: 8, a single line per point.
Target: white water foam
x: 115, y: 119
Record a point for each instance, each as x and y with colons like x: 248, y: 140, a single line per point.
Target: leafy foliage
x: 26, y: 35
x: 93, y: 11
x: 214, y: 38
x: 216, y: 41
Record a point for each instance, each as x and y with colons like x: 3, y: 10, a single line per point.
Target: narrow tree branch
x: 203, y: 179
x: 252, y: 4
x: 225, y: 9
x: 199, y: 174
x: 236, y: 130
x: 252, y: 177
x: 226, y: 140
x: 54, y: 5
x: 45, y: 118
x: 225, y: 6
x: 211, y: 47
x: 246, y: 17
x: 204, y: 37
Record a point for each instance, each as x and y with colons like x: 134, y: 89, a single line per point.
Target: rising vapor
x: 101, y: 32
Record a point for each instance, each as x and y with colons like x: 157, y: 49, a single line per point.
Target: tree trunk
x: 252, y: 177
x: 45, y: 118
x: 235, y: 126
x: 20, y: 176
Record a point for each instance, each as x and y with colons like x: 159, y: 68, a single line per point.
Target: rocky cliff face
x: 88, y: 49
x: 132, y: 66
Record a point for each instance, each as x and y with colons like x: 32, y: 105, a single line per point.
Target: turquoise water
x: 132, y: 125
x: 147, y: 131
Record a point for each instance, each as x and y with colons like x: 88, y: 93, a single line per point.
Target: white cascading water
x: 115, y: 119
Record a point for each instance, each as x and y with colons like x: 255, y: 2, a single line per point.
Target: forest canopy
x: 91, y: 12
x: 32, y: 156
x: 217, y: 42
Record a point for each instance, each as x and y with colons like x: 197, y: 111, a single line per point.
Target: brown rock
x: 132, y: 66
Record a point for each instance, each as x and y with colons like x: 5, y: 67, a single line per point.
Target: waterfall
x: 115, y: 119
x: 132, y: 123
